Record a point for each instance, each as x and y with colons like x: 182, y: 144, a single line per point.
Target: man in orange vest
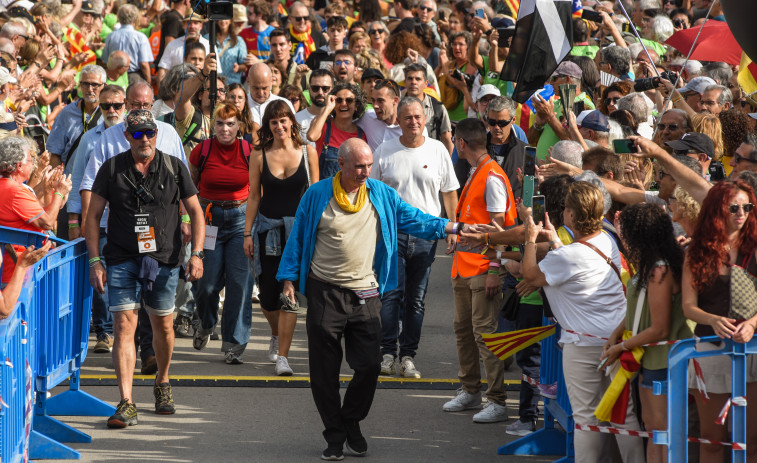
x: 476, y: 281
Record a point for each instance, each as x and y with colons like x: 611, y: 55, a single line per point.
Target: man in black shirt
x: 143, y: 187
x: 171, y: 26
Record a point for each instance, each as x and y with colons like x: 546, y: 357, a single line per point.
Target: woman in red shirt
x: 220, y: 168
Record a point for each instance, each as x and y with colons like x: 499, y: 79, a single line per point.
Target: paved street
x: 243, y: 413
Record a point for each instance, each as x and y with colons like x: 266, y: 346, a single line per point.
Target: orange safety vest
x: 471, y: 209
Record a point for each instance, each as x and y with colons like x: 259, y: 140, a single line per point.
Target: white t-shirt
x: 377, y: 132
x: 584, y: 292
x: 305, y: 118
x: 495, y: 192
x: 173, y: 54
x: 418, y: 174
x: 258, y: 109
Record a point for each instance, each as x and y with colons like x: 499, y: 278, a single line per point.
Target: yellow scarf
x: 305, y: 38
x: 343, y: 200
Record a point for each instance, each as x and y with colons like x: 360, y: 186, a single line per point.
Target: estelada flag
x: 77, y: 45
x: 748, y: 76
x: 506, y: 344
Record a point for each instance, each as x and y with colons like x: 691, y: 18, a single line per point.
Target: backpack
x: 194, y: 126
x: 436, y: 123
x: 205, y: 148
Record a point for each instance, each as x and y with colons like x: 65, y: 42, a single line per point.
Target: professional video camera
x: 214, y: 10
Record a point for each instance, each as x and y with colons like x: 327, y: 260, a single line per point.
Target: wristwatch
x: 200, y: 254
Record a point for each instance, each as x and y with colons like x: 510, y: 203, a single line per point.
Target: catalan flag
x: 514, y: 6
x: 77, y: 44
x: 506, y: 344
x: 748, y: 77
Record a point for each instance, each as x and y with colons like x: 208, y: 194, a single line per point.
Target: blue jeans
x: 406, y: 302
x: 529, y: 361
x: 226, y: 266
x: 102, y: 320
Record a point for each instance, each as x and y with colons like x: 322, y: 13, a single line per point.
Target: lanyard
x: 95, y: 117
x: 467, y: 186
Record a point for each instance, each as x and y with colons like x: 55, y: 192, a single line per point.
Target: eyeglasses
x: 742, y: 158
x: 342, y: 62
x: 94, y: 85
x: 381, y: 83
x: 320, y: 89
x: 426, y: 8
x: 23, y: 36
x: 295, y: 99
x: 671, y: 127
x: 150, y: 134
x: 376, y: 31
x: 138, y: 105
x: 109, y: 106
x: 300, y: 18
x: 747, y: 208
x: 340, y: 100
x: 661, y: 175
x: 500, y: 123
x: 609, y: 101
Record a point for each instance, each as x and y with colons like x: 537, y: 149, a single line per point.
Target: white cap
x: 487, y: 89
x: 583, y: 114
x: 753, y: 115
x: 6, y: 77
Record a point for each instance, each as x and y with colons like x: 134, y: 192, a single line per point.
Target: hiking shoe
x: 104, y: 344
x: 273, y: 349
x: 356, y: 443
x: 463, y: 401
x: 521, y: 428
x: 232, y: 358
x: 149, y: 365
x: 407, y: 368
x: 163, y: 399
x: 200, y: 342
x: 181, y: 326
x: 492, y: 413
x: 333, y: 453
x: 548, y: 390
x: 126, y: 415
x: 387, y: 365
x: 282, y: 367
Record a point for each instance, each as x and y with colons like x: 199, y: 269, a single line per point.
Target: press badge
x: 211, y: 234
x: 146, y: 241
x: 141, y: 224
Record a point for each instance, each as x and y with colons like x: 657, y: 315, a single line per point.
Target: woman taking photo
x: 281, y: 169
x: 655, y: 290
x: 220, y: 168
x: 586, y: 296
x: 726, y: 235
x: 454, y: 76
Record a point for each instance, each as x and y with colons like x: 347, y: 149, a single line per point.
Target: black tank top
x: 282, y: 196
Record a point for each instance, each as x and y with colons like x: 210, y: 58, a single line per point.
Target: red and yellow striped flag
x: 506, y: 344
x: 77, y: 44
x: 514, y: 6
x: 748, y: 76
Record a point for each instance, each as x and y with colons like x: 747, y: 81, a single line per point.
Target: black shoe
x: 126, y: 415
x: 149, y: 365
x: 333, y: 453
x: 356, y: 443
x: 163, y: 399
x: 181, y: 326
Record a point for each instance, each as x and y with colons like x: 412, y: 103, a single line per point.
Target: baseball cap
x: 694, y: 141
x: 503, y: 23
x: 371, y: 73
x: 697, y: 84
x: 6, y: 77
x: 593, y: 120
x: 89, y: 7
x: 139, y: 120
x: 568, y: 68
x: 487, y: 89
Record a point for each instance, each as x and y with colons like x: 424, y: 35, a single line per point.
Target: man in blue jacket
x: 343, y: 251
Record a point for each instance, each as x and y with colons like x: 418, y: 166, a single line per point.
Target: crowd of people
x: 311, y: 158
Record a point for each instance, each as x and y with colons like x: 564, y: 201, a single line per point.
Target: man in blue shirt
x: 133, y: 42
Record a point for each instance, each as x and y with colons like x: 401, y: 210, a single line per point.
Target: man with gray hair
x: 636, y: 104
x: 716, y: 99
x: 437, y: 118
x: 568, y: 151
x: 420, y: 169
x: 503, y: 144
x: 118, y: 68
x: 615, y: 60
x: 16, y: 32
x: 301, y: 32
x: 133, y: 42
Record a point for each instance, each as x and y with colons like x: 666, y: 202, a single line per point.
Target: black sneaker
x: 356, y: 443
x: 163, y: 399
x: 126, y: 415
x: 333, y: 453
x: 181, y: 326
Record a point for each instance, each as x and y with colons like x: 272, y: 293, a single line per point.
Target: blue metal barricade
x: 549, y: 440
x: 676, y: 437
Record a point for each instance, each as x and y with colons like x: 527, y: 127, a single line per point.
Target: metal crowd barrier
x: 57, y: 318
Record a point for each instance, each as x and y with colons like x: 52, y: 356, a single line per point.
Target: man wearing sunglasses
x: 143, y: 188
x: 321, y: 83
x: 745, y: 156
x: 673, y: 124
x: 696, y: 146
x: 301, y: 32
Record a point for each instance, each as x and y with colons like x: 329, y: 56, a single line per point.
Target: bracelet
x: 676, y: 100
x: 94, y: 260
x: 73, y: 221
x: 529, y: 242
x: 492, y: 272
x: 552, y: 243
x: 61, y: 196
x: 499, y: 255
x: 538, y: 127
x: 249, y: 235
x: 486, y: 239
x: 73, y: 225
x: 460, y: 226
x: 95, y: 263
x: 483, y: 251
x: 494, y: 264
x: 185, y: 219
x: 623, y: 346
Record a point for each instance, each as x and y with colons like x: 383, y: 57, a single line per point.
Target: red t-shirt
x: 18, y: 208
x: 226, y: 176
x: 337, y: 137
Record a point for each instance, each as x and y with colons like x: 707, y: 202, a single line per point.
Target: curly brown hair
x: 624, y: 87
x: 735, y: 126
x: 398, y: 44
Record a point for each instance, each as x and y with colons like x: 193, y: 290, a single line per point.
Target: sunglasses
x: 109, y: 106
x: 742, y: 158
x: 609, y: 101
x: 320, y: 89
x: 500, y: 123
x: 381, y: 83
x: 340, y: 100
x: 426, y: 8
x: 662, y: 126
x: 376, y: 31
x: 747, y: 208
x: 300, y: 18
x: 150, y: 134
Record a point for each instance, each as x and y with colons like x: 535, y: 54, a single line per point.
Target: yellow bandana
x: 343, y: 200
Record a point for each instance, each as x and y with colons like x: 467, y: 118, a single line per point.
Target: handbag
x: 743, y: 291
x: 510, y: 303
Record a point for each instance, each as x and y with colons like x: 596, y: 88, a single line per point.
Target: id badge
x: 211, y: 234
x: 142, y: 223
x: 146, y: 241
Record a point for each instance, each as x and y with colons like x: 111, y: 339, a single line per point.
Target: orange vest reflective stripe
x: 472, y: 209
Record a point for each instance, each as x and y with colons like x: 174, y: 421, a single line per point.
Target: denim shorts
x: 648, y: 377
x: 124, y: 289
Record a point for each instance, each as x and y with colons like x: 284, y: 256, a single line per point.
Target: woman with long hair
x: 282, y: 167
x: 237, y: 95
x: 647, y: 235
x: 231, y: 52
x: 457, y: 75
x: 379, y: 33
x: 726, y: 235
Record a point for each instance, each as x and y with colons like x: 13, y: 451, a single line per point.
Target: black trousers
x: 333, y: 313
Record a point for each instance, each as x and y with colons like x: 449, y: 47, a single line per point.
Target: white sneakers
x: 273, y: 349
x: 463, y: 401
x: 387, y: 365
x: 282, y: 366
x: 492, y: 413
x: 407, y: 368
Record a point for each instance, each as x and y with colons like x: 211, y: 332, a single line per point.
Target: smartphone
x: 624, y: 145
x: 578, y: 107
x: 480, y: 13
x: 591, y: 16
x: 441, y: 16
x: 529, y: 161
x: 538, y: 208
x: 602, y: 363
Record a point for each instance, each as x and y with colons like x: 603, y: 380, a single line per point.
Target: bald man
x: 259, y: 80
x: 118, y: 66
x: 332, y: 251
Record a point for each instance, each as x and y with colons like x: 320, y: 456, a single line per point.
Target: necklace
x: 479, y: 159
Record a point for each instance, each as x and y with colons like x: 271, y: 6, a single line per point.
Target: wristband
x: 454, y: 227
x: 623, y: 346
x: 529, y: 242
x: 504, y: 262
x: 58, y: 193
x: 499, y: 255
x: 73, y: 225
x: 249, y: 235
x: 551, y: 243
x: 494, y: 264
x: 492, y: 272
x: 73, y: 221
x: 94, y: 260
x: 185, y: 219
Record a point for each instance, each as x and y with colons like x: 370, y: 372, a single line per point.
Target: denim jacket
x: 273, y: 239
x: 394, y: 215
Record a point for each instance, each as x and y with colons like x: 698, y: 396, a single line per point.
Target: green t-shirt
x: 459, y: 113
x: 658, y: 48
x: 585, y: 50
x: 548, y: 137
x: 492, y: 77
x: 122, y: 81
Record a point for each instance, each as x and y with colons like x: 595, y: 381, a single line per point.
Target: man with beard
x: 112, y: 105
x: 174, y: 51
x: 321, y: 83
x: 344, y: 66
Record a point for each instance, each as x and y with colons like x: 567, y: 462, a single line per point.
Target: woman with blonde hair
x: 709, y: 124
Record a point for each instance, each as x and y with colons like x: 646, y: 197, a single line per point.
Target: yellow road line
x: 284, y: 378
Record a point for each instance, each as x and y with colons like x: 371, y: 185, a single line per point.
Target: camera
x: 669, y: 76
x: 467, y: 78
x: 214, y: 10
x: 717, y: 171
x: 679, y: 23
x: 144, y: 194
x: 649, y: 83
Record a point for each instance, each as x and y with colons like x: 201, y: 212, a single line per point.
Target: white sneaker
x: 492, y: 413
x: 282, y: 367
x: 521, y: 428
x: 255, y: 293
x: 387, y: 365
x: 407, y: 368
x: 463, y: 401
x: 273, y: 349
